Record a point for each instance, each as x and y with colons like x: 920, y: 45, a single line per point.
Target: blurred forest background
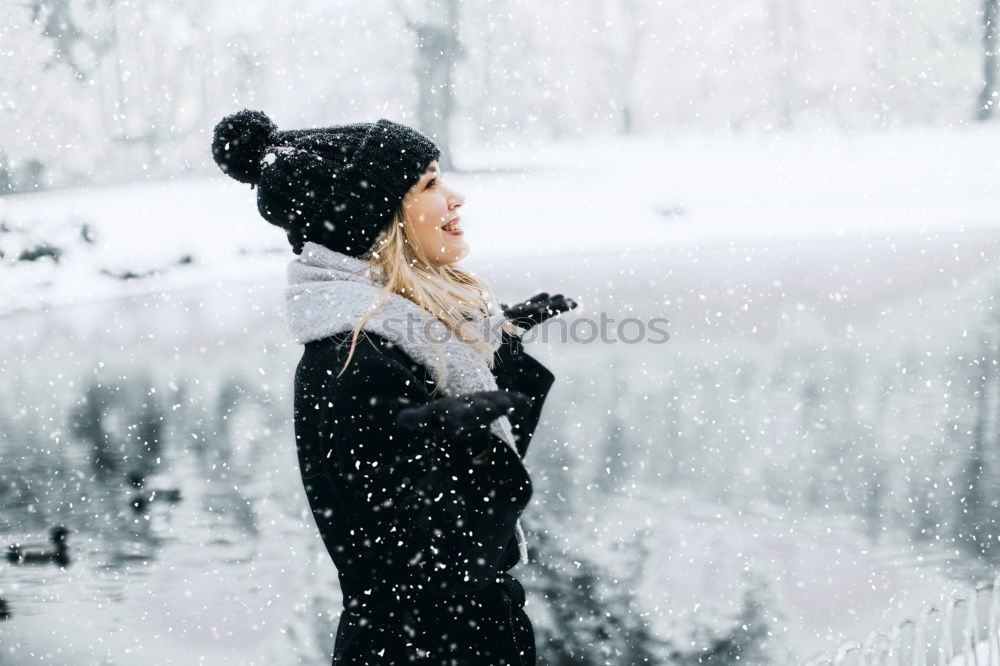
x: 131, y: 89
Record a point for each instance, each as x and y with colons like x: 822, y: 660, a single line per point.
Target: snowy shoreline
x: 683, y: 194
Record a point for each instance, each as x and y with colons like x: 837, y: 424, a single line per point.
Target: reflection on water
x: 727, y: 498
x: 187, y: 393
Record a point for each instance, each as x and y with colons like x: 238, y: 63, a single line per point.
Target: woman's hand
x: 464, y: 415
x: 537, y: 309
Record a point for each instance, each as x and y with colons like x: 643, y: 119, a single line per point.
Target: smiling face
x: 431, y: 209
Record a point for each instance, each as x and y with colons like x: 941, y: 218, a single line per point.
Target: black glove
x: 465, y: 418
x: 537, y: 309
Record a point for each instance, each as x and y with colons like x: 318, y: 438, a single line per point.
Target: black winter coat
x: 422, y: 537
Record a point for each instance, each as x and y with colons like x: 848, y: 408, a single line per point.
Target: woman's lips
x: 453, y: 232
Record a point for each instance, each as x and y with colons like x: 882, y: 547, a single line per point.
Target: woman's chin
x: 454, y: 252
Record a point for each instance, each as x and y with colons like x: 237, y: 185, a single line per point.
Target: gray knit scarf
x: 328, y: 292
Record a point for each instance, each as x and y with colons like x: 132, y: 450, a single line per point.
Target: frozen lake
x: 764, y: 463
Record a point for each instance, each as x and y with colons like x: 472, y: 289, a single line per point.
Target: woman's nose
x: 457, y: 199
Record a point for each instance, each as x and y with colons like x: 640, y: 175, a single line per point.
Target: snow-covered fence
x: 960, y: 631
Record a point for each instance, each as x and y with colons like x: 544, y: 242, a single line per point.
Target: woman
x: 414, y: 401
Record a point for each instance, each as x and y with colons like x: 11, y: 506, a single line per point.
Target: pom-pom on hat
x: 337, y: 186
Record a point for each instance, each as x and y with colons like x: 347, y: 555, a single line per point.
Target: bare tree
x: 987, y: 104
x: 785, y: 32
x: 438, y: 50
x: 144, y: 78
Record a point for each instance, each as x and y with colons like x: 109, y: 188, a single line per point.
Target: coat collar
x: 351, y: 287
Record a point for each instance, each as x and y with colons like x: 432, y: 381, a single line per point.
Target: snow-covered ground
x: 544, y: 201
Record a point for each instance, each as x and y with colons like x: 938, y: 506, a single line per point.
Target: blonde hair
x: 450, y: 293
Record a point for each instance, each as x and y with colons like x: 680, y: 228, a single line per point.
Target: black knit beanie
x: 337, y: 186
